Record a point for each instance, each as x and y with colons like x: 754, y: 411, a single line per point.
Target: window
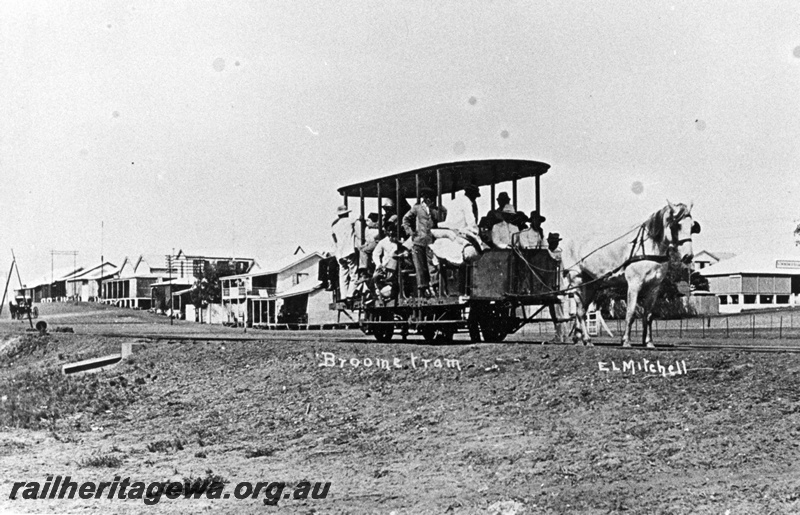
x: 782, y: 299
x: 198, y: 267
x: 765, y: 299
x: 298, y: 278
x: 723, y: 299
x: 734, y: 299
x: 749, y: 299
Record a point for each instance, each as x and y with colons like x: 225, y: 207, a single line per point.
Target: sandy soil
x: 520, y: 428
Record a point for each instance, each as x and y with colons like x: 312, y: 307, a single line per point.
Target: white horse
x: 641, y: 263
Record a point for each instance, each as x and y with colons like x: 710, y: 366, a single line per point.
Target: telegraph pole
x: 24, y: 296
x: 169, y: 288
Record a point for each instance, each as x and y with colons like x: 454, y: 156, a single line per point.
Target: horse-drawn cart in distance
x: 489, y: 296
x: 22, y: 307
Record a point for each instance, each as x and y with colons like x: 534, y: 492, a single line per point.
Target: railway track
x: 785, y: 349
x: 283, y: 335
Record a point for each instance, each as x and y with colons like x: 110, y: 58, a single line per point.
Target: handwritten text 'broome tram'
x: 645, y: 366
x: 329, y: 359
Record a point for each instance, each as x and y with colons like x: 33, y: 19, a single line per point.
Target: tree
x: 698, y: 282
x: 206, y: 289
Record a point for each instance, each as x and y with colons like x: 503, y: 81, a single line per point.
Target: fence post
x: 780, y: 330
x: 753, y: 325
x: 703, y: 324
x: 727, y: 328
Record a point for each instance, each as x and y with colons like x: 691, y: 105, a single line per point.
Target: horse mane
x: 655, y: 224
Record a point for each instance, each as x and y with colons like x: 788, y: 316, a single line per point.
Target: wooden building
x: 755, y: 281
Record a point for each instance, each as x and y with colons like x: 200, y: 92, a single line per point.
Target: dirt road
x: 403, y: 428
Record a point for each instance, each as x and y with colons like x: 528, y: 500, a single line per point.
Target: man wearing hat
x: 556, y: 310
x: 533, y: 237
x: 418, y: 223
x: 344, y: 249
x: 385, y: 257
x: 371, y: 237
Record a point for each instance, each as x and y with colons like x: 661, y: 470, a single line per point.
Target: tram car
x: 490, y: 295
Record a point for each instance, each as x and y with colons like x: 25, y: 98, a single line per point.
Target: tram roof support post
x: 380, y: 209
x: 363, y: 218
x: 538, y: 196
x: 399, y: 223
x: 439, y: 188
x: 514, y: 193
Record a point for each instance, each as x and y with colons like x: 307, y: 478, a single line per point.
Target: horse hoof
x: 626, y: 344
x: 650, y: 345
x: 589, y: 344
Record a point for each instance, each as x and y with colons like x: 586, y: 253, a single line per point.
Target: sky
x: 225, y: 128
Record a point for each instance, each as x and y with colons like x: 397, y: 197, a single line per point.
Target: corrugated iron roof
x: 756, y: 263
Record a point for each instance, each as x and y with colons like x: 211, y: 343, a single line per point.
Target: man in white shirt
x: 462, y: 212
x: 344, y: 236
x: 385, y: 258
x: 532, y: 238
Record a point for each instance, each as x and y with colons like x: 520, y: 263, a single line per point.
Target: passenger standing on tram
x: 556, y: 310
x: 344, y: 236
x: 533, y: 237
x: 418, y: 223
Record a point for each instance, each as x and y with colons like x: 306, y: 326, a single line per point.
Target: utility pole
x: 102, y: 263
x: 24, y: 296
x: 5, y: 291
x: 169, y: 287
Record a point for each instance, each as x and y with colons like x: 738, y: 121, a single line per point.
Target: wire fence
x: 775, y: 325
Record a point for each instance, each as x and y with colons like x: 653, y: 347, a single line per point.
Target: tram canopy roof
x: 454, y: 176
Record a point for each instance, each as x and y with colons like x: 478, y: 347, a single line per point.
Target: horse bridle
x: 673, y: 227
x: 674, y: 242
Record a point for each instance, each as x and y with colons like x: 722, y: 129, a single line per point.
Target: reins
x: 636, y: 244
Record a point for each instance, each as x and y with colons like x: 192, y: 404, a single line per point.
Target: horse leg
x: 649, y: 340
x: 582, y: 327
x: 630, y: 311
x: 647, y: 320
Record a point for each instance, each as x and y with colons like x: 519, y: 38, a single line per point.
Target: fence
x: 770, y: 325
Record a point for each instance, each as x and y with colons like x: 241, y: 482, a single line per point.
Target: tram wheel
x: 491, y: 333
x: 384, y: 333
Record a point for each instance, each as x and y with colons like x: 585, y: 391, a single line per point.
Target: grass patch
x: 103, y: 460
x: 201, y: 484
x: 37, y: 399
x: 260, y: 452
x: 166, y: 445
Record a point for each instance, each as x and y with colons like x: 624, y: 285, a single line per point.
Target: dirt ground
x: 510, y: 428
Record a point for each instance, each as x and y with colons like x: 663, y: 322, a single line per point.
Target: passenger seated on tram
x: 457, y: 238
x: 533, y: 237
x: 499, y: 225
x: 385, y: 258
x: 371, y: 237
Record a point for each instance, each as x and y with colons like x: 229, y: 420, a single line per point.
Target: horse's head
x: 680, y: 227
x: 673, y: 226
